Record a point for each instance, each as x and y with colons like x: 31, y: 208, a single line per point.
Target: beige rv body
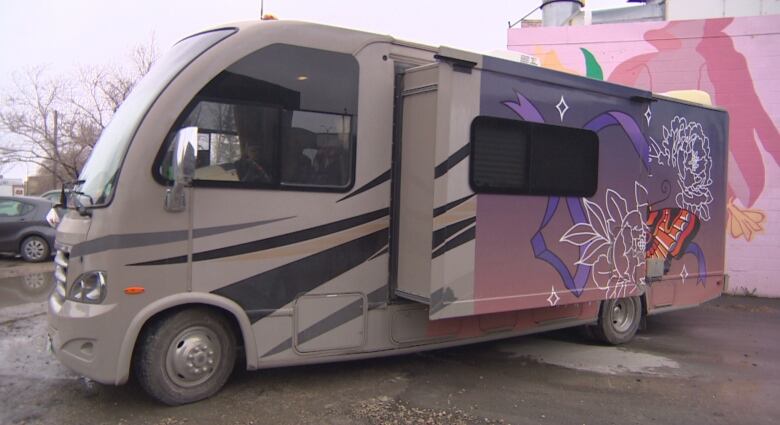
x: 360, y: 313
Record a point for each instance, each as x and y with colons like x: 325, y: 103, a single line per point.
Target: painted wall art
x: 735, y: 61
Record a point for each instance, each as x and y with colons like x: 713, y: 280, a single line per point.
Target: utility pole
x: 56, y: 151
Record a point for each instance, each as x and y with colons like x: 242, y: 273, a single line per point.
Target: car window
x: 9, y: 208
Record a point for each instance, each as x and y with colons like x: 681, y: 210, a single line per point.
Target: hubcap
x: 34, y: 249
x: 623, y: 314
x: 193, y: 356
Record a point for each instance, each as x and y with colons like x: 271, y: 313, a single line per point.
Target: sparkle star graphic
x: 553, y: 298
x: 562, y: 107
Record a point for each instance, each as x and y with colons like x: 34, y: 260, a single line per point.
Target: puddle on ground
x: 591, y: 358
x: 23, y: 327
x: 32, y: 288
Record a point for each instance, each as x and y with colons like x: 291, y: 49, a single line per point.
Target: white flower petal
x: 593, y: 252
x: 580, y: 234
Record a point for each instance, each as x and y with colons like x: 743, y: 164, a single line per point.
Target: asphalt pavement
x: 715, y: 364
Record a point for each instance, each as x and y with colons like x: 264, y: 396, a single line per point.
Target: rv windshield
x: 97, y: 181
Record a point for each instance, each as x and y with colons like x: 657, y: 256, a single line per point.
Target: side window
x: 520, y: 157
x: 282, y: 117
x: 10, y: 208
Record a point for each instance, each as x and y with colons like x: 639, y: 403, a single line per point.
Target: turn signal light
x: 134, y: 290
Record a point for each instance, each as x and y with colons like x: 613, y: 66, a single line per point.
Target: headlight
x: 89, y: 288
x: 52, y: 218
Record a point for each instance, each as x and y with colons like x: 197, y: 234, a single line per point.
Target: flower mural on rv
x: 613, y: 241
x: 686, y: 148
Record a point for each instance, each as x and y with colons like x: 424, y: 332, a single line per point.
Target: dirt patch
x: 752, y: 308
x: 384, y: 410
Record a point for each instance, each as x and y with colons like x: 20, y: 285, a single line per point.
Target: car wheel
x: 185, y: 356
x: 619, y: 320
x: 34, y: 249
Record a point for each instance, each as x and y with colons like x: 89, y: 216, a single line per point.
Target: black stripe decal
x: 466, y: 236
x: 384, y: 251
x: 274, y: 241
x: 136, y: 240
x: 264, y: 293
x: 441, y: 235
x: 444, y: 208
x: 131, y: 240
x: 368, y: 186
x: 333, y: 320
x: 452, y: 161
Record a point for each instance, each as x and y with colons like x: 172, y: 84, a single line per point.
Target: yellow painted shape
x: 744, y: 222
x: 550, y: 60
x: 693, y: 96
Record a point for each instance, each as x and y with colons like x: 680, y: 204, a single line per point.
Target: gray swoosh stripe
x: 209, y: 231
x: 135, y: 240
x: 332, y: 321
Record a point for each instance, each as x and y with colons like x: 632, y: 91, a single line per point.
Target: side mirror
x: 184, y: 154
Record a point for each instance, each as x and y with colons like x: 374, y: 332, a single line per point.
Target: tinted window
x: 282, y: 117
x: 10, y: 208
x: 520, y: 157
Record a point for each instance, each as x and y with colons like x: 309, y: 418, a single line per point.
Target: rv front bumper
x: 87, y: 338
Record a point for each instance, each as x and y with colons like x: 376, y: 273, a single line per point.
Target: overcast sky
x: 64, y: 34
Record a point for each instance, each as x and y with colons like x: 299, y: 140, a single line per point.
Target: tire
x: 185, y: 356
x: 34, y: 249
x: 619, y: 320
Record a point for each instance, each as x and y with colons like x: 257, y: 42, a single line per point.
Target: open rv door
x: 437, y: 209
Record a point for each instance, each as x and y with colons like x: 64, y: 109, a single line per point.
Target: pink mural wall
x: 736, y: 61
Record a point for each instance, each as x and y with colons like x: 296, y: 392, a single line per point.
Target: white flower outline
x: 686, y: 148
x: 613, y: 241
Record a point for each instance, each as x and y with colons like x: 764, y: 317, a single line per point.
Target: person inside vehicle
x: 249, y: 167
x: 329, y: 165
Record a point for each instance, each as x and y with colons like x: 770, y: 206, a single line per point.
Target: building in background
x: 11, y: 187
x: 728, y: 48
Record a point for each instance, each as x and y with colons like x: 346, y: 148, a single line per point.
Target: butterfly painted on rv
x: 671, y: 230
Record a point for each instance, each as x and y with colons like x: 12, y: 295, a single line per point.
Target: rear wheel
x: 618, y: 320
x: 186, y: 356
x: 34, y: 249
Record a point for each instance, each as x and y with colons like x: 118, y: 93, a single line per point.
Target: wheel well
x: 642, y: 299
x: 25, y: 236
x: 161, y: 315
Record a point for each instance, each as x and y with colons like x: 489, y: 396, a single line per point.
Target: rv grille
x: 61, y: 276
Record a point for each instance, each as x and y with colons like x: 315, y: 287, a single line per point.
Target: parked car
x: 24, y: 229
x: 56, y: 213
x: 52, y: 195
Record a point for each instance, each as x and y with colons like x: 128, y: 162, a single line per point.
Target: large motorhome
x: 291, y: 193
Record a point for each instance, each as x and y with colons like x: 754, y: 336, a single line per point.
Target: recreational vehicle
x: 288, y: 193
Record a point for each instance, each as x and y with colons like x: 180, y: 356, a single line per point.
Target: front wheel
x: 618, y: 320
x: 186, y: 356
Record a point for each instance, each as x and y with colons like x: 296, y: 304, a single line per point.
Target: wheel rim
x: 623, y: 314
x: 34, y: 281
x: 34, y: 249
x: 193, y: 356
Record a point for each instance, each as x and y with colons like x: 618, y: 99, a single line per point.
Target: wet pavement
x: 716, y: 364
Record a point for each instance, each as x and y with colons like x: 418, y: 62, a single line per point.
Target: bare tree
x: 54, y: 122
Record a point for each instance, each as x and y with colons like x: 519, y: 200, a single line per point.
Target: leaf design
x: 593, y: 252
x: 617, y: 207
x: 581, y: 234
x: 596, y: 218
